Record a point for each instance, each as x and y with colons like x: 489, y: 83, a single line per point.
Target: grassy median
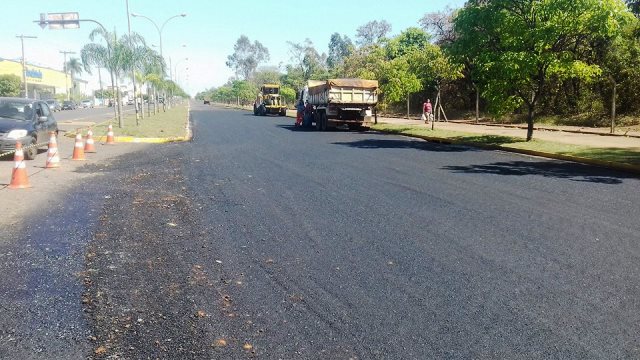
x: 167, y: 124
x: 617, y: 155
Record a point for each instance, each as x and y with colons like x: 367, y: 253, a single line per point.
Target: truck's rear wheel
x: 318, y: 119
x: 324, y: 121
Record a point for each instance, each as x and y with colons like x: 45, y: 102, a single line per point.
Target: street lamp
x: 161, y: 28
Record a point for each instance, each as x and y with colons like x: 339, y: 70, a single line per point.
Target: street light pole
x: 66, y: 73
x: 160, y: 29
x: 24, y: 64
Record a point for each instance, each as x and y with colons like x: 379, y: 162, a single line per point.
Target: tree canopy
x: 519, y: 45
x: 247, y: 56
x: 10, y: 85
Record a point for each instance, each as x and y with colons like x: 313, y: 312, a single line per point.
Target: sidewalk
x: 575, y: 137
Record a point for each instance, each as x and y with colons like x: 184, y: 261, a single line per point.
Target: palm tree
x: 152, y: 71
x: 74, y: 67
x: 94, y: 54
x: 136, y: 56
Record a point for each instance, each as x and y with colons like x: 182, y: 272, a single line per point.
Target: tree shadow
x: 551, y: 169
x: 490, y: 140
x: 296, y: 128
x: 405, y: 144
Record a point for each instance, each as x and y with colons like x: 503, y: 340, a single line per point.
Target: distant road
x: 71, y: 119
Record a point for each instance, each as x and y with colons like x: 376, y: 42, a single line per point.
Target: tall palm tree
x: 73, y: 67
x: 152, y: 70
x: 94, y: 54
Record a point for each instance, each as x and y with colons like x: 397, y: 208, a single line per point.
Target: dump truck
x: 269, y: 101
x: 339, y: 102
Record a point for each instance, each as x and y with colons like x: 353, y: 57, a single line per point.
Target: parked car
x: 87, y: 104
x: 206, y: 102
x: 54, y: 105
x: 69, y: 105
x: 26, y: 120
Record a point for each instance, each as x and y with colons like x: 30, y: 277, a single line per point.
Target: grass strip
x: 161, y: 125
x: 616, y: 155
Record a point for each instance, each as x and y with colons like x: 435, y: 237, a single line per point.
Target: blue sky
x: 209, y: 30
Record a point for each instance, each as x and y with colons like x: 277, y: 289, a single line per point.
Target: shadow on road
x: 299, y: 128
x: 561, y: 170
x: 404, y: 144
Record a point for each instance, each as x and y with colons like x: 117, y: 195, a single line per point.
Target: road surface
x: 258, y: 239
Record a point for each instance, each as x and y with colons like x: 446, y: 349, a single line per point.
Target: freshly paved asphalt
x: 259, y: 239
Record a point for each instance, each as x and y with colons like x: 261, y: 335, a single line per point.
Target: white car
x: 87, y: 104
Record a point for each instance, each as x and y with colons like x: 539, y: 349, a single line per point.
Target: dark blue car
x: 26, y: 120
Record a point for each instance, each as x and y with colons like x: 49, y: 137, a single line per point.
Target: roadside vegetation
x: 165, y: 124
x: 565, y: 62
x: 128, y: 57
x: 617, y: 155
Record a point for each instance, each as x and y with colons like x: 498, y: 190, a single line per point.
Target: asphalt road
x: 260, y: 240
x: 71, y: 119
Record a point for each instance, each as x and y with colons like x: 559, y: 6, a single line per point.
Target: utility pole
x: 66, y: 73
x: 24, y: 64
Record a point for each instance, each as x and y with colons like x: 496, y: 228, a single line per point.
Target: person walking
x: 427, y: 113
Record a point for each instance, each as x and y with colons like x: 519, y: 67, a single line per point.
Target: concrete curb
x: 635, y: 169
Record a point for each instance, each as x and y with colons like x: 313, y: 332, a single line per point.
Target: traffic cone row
x: 19, y: 178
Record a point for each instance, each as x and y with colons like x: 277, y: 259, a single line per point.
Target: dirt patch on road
x: 153, y: 287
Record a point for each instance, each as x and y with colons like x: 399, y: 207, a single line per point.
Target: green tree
x: 619, y: 59
x: 433, y: 67
x: 308, y: 63
x: 10, y: 85
x: 246, y: 57
x: 340, y: 46
x: 267, y: 75
x: 372, y: 32
x: 94, y: 54
x: 520, y: 44
x: 409, y: 40
x: 244, y: 91
x: 366, y: 62
x: 289, y: 94
x: 399, y: 81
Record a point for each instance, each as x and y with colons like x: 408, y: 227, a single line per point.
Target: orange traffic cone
x: 78, y: 150
x: 89, y: 146
x: 110, y: 140
x: 19, y: 178
x: 53, y: 158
